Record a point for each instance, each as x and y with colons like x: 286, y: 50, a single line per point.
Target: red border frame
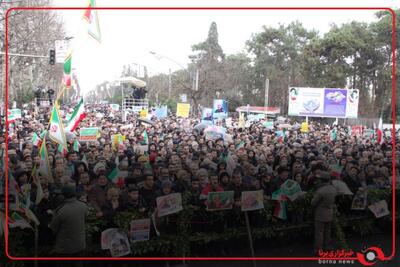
x: 211, y: 8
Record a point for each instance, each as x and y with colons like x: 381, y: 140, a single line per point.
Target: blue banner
x: 162, y: 112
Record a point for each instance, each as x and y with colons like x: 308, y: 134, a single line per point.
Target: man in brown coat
x: 323, y: 204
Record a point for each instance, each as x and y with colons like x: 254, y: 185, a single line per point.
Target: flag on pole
x: 43, y: 134
x: 114, y: 177
x: 77, y: 116
x: 36, y: 141
x: 240, y: 145
x: 56, y: 131
x: 333, y: 134
x: 67, y: 70
x: 76, y: 146
x: 44, y: 166
x: 16, y: 220
x: 62, y: 150
x: 84, y: 160
x: 379, y: 132
x: 145, y: 138
x: 91, y: 17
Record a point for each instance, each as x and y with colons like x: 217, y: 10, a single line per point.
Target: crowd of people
x: 175, y: 156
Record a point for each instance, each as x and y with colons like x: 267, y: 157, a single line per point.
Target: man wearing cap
x: 323, y: 204
x: 68, y: 224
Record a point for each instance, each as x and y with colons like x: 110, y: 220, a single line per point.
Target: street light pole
x: 169, y: 84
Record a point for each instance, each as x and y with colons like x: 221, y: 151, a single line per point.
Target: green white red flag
x: 36, y: 141
x: 44, y: 166
x: 92, y: 19
x: 56, y: 129
x: 77, y: 116
x: 67, y: 70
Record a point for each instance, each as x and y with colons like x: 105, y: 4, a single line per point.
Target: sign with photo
x: 359, y: 200
x: 207, y: 115
x: 116, y: 241
x: 323, y: 102
x: 169, y: 204
x: 220, y: 200
x: 252, y: 200
x: 220, y: 109
x: 379, y: 209
x: 140, y: 230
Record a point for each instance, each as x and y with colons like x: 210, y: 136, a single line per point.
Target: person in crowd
x: 68, y: 225
x: 323, y: 204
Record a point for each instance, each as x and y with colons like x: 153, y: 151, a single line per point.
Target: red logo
x: 370, y: 256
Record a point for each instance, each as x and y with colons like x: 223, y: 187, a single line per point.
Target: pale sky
x: 128, y: 36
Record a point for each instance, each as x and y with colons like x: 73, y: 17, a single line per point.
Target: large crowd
x: 179, y: 158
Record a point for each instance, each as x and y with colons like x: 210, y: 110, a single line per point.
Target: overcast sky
x: 128, y: 36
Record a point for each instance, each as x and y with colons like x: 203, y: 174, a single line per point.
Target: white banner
x: 323, y: 102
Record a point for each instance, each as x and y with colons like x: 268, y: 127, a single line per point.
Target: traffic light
x: 52, y: 57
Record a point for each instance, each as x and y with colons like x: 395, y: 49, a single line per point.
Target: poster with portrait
x: 379, y: 209
x: 359, y: 200
x: 116, y: 241
x: 139, y: 230
x: 220, y: 109
x: 323, y: 102
x: 207, y: 116
x: 252, y: 200
x: 220, y: 200
x: 169, y: 204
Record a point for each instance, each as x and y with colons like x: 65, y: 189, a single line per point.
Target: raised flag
x: 76, y: 146
x: 16, y: 220
x: 145, y: 138
x: 84, y: 160
x: 67, y: 70
x: 56, y: 129
x: 77, y: 116
x: 240, y: 146
x: 333, y: 134
x: 379, y: 132
x: 36, y: 141
x: 91, y: 17
x: 44, y: 166
x: 114, y: 177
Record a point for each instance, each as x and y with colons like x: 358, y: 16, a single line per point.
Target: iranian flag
x: 92, y: 19
x: 280, y: 210
x: 336, y: 171
x: 36, y: 141
x: 114, y: 177
x: 67, y: 70
x: 44, y: 166
x: 16, y: 220
x: 379, y: 132
x: 77, y: 116
x: 145, y: 138
x: 240, y: 145
x: 56, y: 129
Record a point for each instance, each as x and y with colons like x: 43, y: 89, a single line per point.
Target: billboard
x: 323, y: 102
